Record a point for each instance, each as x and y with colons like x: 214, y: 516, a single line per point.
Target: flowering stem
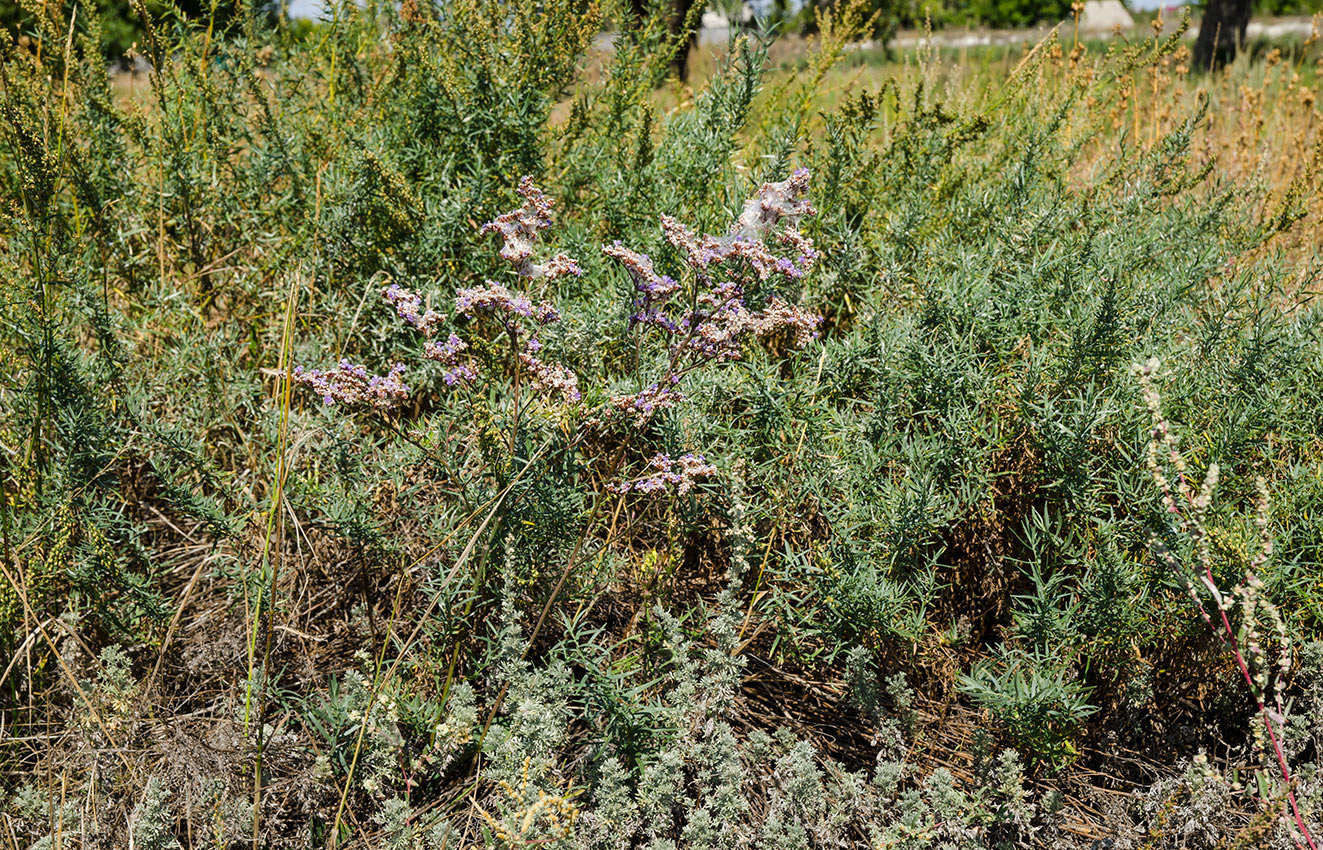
x: 1229, y: 638
x: 1189, y: 507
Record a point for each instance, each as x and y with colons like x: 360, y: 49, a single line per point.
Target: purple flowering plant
x: 706, y: 317
x: 353, y: 385
x: 513, y: 317
x: 702, y: 316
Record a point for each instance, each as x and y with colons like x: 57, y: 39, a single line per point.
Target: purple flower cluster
x: 717, y: 326
x: 808, y: 255
x: 558, y: 266
x: 639, y: 266
x: 447, y: 354
x: 409, y: 307
x: 679, y: 473
x: 703, y: 319
x: 354, y: 385
x: 550, y: 378
x: 704, y: 252
x: 510, y: 306
x: 717, y: 320
x: 518, y: 230
x: 641, y: 406
x: 780, y: 315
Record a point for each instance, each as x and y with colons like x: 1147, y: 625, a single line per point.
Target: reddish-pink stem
x: 1229, y: 640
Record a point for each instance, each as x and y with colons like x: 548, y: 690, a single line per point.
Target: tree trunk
x: 1221, y: 33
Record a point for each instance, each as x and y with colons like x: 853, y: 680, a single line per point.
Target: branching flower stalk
x: 1188, y: 509
x: 721, y: 273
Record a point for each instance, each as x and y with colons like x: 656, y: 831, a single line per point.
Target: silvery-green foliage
x: 956, y: 816
x: 528, y: 734
x: 704, y: 681
x: 1305, y: 721
x: 523, y: 745
x: 902, y: 702
x: 252, y: 689
x: 613, y: 819
x: 710, y: 787
x: 116, y: 675
x: 796, y: 801
x: 659, y: 791
x: 760, y: 746
x: 1009, y: 798
x: 851, y: 802
x: 721, y: 779
x: 1304, y: 728
x: 862, y: 680
x: 389, y: 736
x: 402, y: 828
x: 373, y: 720
x: 697, y: 781
x: 152, y: 821
x: 740, y: 533
x: 913, y: 822
x: 394, y: 822
x: 1309, y: 796
x: 983, y: 285
x: 461, y: 711
x: 36, y: 814
x: 1194, y: 810
x: 894, y: 727
x: 700, y: 831
x: 110, y: 693
x: 888, y: 775
x: 441, y: 835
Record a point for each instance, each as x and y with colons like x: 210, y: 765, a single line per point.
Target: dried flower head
x: 518, y: 230
x: 775, y: 203
x: 680, y: 473
x: 552, y: 379
x: 641, y: 406
x: 409, y: 306
x: 722, y: 267
x: 509, y: 306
